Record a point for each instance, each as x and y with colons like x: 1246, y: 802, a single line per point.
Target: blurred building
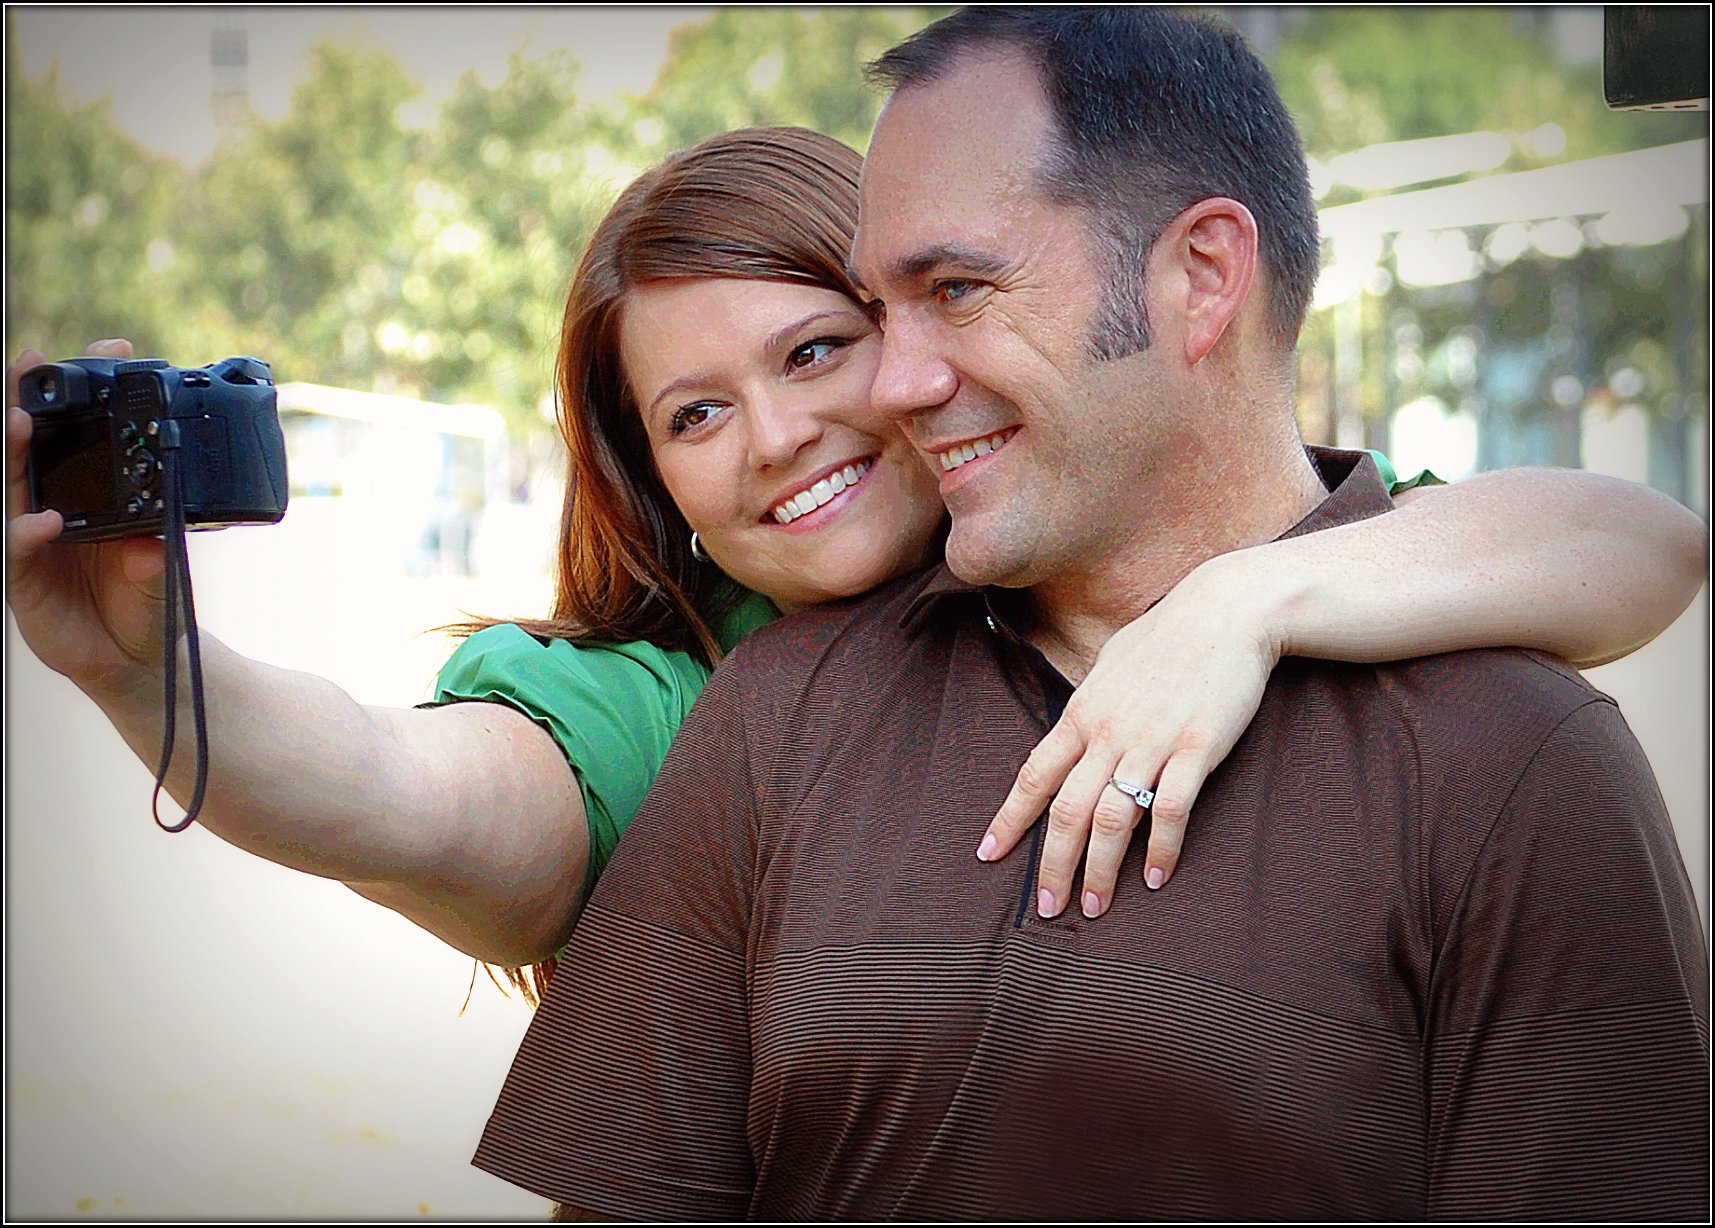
x: 229, y: 60
x: 1556, y: 316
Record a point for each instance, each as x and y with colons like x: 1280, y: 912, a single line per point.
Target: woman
x: 725, y: 462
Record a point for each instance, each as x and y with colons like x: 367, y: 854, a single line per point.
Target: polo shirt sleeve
x: 630, y: 1093
x: 612, y: 709
x: 1568, y: 1054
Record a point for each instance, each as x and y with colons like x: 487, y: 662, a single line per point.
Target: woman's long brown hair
x: 769, y: 204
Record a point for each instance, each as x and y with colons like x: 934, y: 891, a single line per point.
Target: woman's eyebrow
x: 785, y: 332
x: 695, y: 379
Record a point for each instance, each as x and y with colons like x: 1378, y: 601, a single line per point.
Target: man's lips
x: 963, y: 462
x: 959, y: 454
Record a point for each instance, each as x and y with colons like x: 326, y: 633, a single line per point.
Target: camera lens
x: 48, y: 389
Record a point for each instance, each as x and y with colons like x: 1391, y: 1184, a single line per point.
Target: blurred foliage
x: 349, y: 247
x: 86, y: 212
x: 1357, y: 76
x: 502, y: 205
x: 758, y: 67
x: 301, y: 229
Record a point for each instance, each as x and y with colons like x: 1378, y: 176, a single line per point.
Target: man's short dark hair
x: 1156, y: 111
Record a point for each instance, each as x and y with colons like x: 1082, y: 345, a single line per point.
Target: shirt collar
x: 1355, y: 492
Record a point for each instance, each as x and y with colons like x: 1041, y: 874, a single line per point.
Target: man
x: 1438, y: 957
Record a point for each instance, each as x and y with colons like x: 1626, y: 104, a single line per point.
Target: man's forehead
x: 947, y: 152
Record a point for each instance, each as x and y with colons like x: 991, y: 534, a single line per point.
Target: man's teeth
x: 811, y: 499
x: 952, y: 458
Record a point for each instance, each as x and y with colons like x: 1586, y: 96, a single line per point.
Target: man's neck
x: 1195, y: 513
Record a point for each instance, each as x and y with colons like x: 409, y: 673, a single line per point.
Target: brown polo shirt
x: 1430, y: 953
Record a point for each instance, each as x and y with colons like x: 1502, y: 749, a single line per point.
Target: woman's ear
x: 1214, y: 244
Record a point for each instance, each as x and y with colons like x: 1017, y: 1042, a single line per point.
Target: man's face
x: 989, y: 292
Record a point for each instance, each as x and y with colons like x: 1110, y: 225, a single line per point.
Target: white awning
x: 1667, y: 175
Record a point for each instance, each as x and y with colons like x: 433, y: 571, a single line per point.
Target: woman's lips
x: 811, y: 499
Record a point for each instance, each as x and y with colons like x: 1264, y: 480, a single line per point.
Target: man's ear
x: 1214, y: 242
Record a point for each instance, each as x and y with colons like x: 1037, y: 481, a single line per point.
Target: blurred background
x: 387, y: 205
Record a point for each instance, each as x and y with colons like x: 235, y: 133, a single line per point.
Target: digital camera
x: 102, y: 427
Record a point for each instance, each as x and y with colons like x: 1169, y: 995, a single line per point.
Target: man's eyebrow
x: 937, y: 256
x: 946, y: 256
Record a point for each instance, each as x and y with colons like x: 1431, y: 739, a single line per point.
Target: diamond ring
x: 1142, y: 796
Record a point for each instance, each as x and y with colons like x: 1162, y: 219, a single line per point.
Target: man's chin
x: 982, y: 559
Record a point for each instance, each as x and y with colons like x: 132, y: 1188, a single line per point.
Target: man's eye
x: 949, y: 292
x: 689, y: 417
x: 814, y: 352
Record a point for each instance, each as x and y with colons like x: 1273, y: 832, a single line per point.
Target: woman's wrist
x: 1259, y: 597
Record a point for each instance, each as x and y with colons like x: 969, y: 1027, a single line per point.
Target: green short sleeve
x: 1390, y: 476
x: 613, y: 710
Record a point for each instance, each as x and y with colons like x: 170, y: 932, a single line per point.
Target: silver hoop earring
x: 697, y: 551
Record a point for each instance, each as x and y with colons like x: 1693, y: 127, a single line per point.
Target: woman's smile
x: 824, y: 497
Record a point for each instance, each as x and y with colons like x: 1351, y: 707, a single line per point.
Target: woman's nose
x: 780, y: 428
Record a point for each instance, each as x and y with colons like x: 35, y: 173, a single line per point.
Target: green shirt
x: 613, y: 709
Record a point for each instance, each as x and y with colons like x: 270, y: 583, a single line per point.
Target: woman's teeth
x: 952, y: 458
x: 812, y: 497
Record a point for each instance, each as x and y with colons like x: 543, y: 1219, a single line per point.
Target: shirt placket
x: 1055, y: 691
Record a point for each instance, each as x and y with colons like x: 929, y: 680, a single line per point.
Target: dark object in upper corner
x: 1656, y: 57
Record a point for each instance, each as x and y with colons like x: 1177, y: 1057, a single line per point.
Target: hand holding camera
x: 89, y: 460
x: 119, y: 448
x: 93, y: 612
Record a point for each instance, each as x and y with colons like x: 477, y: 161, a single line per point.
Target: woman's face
x: 755, y: 397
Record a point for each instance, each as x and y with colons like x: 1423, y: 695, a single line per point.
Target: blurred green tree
x: 297, y: 233
x: 86, y: 210
x: 1357, y: 76
x: 747, y: 67
x: 503, y: 201
x: 1545, y: 332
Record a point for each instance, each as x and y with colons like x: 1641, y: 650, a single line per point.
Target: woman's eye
x: 812, y: 353
x: 689, y: 417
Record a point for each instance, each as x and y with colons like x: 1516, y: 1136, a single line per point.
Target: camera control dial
x: 141, y: 465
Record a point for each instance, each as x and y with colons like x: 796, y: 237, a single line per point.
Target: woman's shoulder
x: 505, y: 662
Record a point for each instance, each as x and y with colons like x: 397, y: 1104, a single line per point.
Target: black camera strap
x: 179, y: 597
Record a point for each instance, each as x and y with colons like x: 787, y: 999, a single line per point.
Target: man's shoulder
x: 1499, y: 703
x: 1458, y: 732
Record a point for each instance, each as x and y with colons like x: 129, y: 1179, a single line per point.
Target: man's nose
x: 912, y: 376
x: 779, y: 430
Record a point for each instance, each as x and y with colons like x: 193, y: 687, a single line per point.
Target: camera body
x: 101, y: 427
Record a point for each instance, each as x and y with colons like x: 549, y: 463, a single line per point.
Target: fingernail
x: 986, y: 849
x: 1155, y: 877
x: 1092, y: 904
x: 1045, y: 903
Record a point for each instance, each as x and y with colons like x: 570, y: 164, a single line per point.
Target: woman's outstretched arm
x: 1583, y: 566
x: 466, y: 819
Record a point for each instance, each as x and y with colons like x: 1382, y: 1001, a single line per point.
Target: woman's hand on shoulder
x: 1166, y: 700
x: 91, y: 612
